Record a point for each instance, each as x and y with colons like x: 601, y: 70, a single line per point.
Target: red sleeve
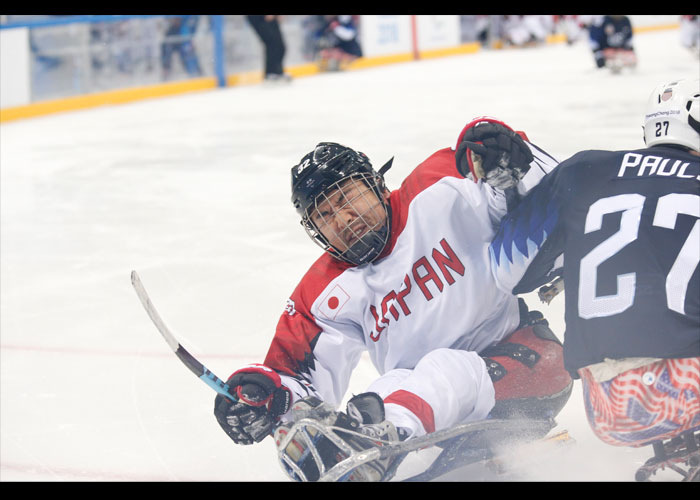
x: 437, y: 166
x: 291, y: 350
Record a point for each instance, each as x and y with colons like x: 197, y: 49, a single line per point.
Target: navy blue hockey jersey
x: 622, y: 228
x: 611, y: 32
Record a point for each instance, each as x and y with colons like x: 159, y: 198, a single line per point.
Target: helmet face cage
x: 350, y: 219
x: 673, y: 115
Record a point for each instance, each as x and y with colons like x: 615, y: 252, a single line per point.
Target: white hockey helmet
x: 673, y: 115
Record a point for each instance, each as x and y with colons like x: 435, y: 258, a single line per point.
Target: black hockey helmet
x: 320, y: 171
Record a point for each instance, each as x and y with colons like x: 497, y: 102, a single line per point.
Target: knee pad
x: 527, y: 371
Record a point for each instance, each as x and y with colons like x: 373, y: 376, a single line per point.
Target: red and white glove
x: 261, y: 399
x: 489, y: 149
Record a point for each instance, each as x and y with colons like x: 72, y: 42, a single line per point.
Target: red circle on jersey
x: 333, y: 302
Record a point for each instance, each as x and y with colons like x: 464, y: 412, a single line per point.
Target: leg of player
x: 447, y: 387
x: 654, y: 401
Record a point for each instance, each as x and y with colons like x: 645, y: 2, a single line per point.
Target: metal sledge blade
x: 680, y: 454
x: 479, y: 444
x: 455, y: 440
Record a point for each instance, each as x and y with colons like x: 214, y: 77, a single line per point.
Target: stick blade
x: 152, y: 313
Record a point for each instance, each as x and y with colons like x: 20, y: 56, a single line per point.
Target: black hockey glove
x: 261, y: 399
x: 495, y: 153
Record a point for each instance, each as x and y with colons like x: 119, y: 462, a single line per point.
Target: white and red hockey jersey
x: 431, y: 288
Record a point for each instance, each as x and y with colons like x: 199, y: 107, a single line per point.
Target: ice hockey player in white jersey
x: 406, y: 277
x: 622, y: 228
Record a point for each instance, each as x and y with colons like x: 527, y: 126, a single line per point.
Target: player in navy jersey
x: 622, y: 229
x: 405, y: 277
x: 611, y: 40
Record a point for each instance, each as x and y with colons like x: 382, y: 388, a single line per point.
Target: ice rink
x: 193, y: 192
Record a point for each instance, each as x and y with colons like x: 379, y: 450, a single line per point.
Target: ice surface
x: 193, y: 192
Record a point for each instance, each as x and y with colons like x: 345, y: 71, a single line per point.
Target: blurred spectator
x: 611, y: 42
x: 129, y: 47
x: 147, y: 35
x: 268, y: 30
x: 576, y: 27
x: 527, y: 30
x: 98, y: 41
x: 482, y: 29
x: 312, y: 25
x: 45, y: 61
x: 690, y: 33
x: 474, y: 28
x: 573, y: 28
x: 337, y: 41
x: 122, y: 46
x: 178, y: 38
x: 111, y: 45
x: 495, y: 31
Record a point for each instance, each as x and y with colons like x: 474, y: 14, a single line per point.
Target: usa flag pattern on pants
x: 653, y: 402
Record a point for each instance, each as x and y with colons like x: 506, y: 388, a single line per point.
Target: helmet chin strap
x: 368, y: 247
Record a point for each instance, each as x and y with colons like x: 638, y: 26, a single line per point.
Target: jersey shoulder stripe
x: 436, y: 167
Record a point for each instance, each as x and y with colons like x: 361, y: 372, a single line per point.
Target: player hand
x: 495, y: 153
x: 261, y: 399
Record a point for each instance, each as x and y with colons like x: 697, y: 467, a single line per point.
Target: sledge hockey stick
x: 190, y: 361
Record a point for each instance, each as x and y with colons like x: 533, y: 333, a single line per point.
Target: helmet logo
x: 303, y: 165
x: 672, y: 114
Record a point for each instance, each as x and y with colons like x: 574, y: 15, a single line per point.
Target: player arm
x: 314, y: 357
x: 503, y: 162
x: 304, y: 359
x: 541, y: 164
x: 343, y: 28
x: 526, y: 252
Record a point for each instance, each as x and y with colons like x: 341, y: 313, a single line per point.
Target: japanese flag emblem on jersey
x: 333, y: 302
